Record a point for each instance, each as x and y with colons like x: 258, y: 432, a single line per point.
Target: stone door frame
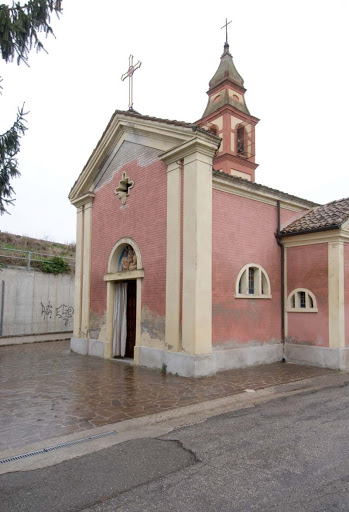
x: 113, y: 276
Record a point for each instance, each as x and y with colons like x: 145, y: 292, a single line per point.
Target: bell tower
x: 227, y: 116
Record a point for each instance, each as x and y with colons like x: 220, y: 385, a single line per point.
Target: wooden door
x: 131, y: 318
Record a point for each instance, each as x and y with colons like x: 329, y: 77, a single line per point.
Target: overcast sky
x: 293, y: 56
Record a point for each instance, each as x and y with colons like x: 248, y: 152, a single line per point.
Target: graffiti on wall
x: 46, y: 311
x: 63, y: 312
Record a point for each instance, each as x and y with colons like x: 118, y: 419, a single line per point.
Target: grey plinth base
x: 249, y: 356
x: 189, y: 365
x: 87, y: 347
x: 186, y: 365
x: 335, y: 358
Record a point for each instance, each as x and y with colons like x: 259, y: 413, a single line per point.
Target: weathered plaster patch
x: 103, y: 330
x: 94, y: 333
x: 98, y: 326
x: 152, y: 329
x: 128, y: 152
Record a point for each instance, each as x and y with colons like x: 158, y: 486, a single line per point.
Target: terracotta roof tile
x: 328, y: 216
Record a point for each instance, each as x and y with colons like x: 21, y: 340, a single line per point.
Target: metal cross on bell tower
x: 129, y: 73
x: 226, y: 29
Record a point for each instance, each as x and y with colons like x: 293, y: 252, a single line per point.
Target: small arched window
x: 252, y: 282
x: 240, y: 140
x: 301, y: 300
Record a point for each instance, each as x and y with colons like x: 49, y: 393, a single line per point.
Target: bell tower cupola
x: 227, y: 115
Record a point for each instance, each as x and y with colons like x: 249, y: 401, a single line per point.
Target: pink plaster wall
x: 346, y: 292
x: 144, y: 220
x: 307, y: 267
x: 244, y: 232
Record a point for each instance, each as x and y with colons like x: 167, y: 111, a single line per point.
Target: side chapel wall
x: 244, y: 232
x: 307, y: 267
x: 142, y: 218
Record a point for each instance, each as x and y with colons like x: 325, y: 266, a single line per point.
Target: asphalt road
x: 288, y: 454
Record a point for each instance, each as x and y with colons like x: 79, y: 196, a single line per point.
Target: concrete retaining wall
x: 35, y: 303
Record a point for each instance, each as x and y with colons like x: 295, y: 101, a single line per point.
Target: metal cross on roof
x: 129, y: 73
x: 226, y: 29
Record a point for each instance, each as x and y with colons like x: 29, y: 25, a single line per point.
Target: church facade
x: 184, y: 263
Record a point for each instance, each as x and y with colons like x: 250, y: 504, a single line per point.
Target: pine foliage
x: 9, y: 148
x: 20, y: 26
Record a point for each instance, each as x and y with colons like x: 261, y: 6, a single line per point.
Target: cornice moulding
x: 228, y: 108
x: 84, y: 199
x: 262, y: 197
x: 195, y: 145
x: 236, y: 159
x: 319, y: 237
x: 223, y: 84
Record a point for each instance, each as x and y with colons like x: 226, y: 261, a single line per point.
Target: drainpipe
x: 282, y: 262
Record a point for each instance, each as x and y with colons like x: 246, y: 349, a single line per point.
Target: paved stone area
x: 46, y: 391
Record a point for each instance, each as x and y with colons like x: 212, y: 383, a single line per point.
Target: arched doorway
x: 124, y: 278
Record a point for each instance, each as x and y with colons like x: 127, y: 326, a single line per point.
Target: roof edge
x: 175, y: 129
x: 308, y: 231
x: 256, y: 187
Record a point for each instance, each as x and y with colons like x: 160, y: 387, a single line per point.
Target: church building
x: 185, y: 263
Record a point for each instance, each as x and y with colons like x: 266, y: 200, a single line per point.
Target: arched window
x: 301, y: 300
x: 253, y: 282
x: 240, y: 140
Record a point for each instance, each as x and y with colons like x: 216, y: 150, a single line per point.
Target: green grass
x: 46, y: 249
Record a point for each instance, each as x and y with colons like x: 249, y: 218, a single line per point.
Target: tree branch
x: 9, y: 148
x: 20, y: 25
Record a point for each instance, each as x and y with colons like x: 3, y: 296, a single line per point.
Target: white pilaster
x: 108, y: 348
x: 197, y: 254
x: 336, y: 294
x: 78, y: 270
x: 82, y: 265
x: 138, y: 320
x: 85, y: 303
x: 173, y: 256
x: 285, y: 294
x: 196, y: 304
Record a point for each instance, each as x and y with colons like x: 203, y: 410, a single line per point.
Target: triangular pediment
x: 159, y: 134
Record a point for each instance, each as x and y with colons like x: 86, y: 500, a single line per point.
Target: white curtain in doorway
x: 119, y: 319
